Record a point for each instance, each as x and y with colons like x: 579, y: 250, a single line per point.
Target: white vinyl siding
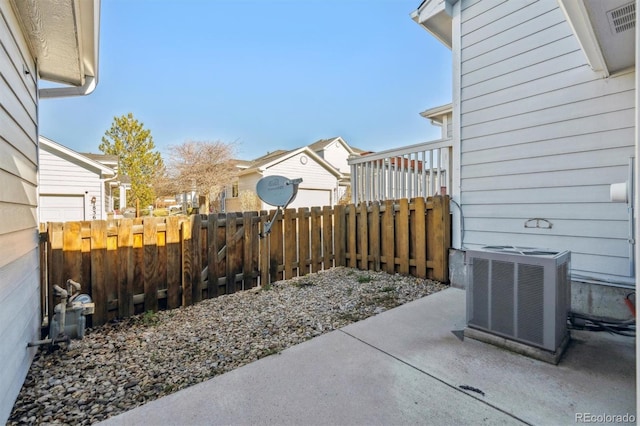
x: 19, y: 265
x: 62, y: 177
x: 313, y: 174
x: 337, y: 155
x: 542, y: 136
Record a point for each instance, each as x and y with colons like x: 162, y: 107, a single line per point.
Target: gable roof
x: 271, y: 159
x: 75, y: 157
x: 323, y: 143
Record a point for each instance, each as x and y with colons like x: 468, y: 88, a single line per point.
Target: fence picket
x: 173, y: 262
x: 125, y: 269
x: 303, y: 240
x: 98, y: 252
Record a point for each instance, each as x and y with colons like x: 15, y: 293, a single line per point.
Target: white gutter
x: 88, y: 39
x: 87, y: 88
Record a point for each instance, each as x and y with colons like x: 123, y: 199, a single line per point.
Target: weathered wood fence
x: 129, y: 266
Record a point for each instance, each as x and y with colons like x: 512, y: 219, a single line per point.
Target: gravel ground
x: 122, y: 365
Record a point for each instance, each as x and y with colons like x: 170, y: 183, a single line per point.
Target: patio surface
x: 407, y: 366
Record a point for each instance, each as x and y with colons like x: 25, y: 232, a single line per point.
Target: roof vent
x: 623, y: 18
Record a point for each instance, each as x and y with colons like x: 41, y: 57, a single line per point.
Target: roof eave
x: 578, y: 18
x: 64, y: 38
x: 435, y: 16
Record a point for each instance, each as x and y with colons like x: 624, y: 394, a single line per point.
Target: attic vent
x: 623, y: 18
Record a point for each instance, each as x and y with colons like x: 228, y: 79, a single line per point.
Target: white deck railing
x: 420, y: 170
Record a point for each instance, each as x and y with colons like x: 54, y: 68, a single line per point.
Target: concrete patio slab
x: 408, y: 366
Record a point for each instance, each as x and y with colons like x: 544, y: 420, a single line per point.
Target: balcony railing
x: 420, y: 170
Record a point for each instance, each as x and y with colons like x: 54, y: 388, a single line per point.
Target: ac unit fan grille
x: 530, y: 303
x: 502, y: 297
x: 481, y: 293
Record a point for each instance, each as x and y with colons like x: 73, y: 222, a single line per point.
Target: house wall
x: 19, y: 264
x: 314, y: 178
x: 542, y: 136
x: 337, y: 155
x: 61, y: 177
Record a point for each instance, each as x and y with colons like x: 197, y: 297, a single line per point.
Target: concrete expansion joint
x: 464, y: 389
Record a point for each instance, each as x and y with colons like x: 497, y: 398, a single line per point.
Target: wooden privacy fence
x: 129, y: 266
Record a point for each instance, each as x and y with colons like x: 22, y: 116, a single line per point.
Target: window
x: 234, y: 190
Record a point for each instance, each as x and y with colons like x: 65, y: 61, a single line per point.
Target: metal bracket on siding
x: 538, y: 223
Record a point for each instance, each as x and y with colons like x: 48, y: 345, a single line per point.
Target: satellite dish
x: 277, y: 190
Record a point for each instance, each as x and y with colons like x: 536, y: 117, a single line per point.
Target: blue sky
x: 264, y: 73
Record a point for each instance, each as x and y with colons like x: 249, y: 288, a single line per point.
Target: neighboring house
x: 323, y: 167
x: 61, y: 37
x: 72, y: 186
x: 543, y: 123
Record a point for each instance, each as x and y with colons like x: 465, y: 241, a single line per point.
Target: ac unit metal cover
x: 520, y: 293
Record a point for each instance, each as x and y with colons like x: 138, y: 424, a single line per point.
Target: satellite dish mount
x: 277, y: 191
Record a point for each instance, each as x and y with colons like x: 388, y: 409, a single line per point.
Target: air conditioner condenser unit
x: 521, y: 294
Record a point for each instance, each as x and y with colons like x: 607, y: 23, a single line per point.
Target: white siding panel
x: 555, y: 32
x: 560, y: 227
x: 559, y: 64
x: 560, y: 178
x: 472, y: 11
x: 511, y: 21
x: 314, y: 176
x: 593, y: 90
x: 596, y: 212
x: 17, y: 52
x: 16, y: 190
x: 61, y: 177
x: 581, y: 263
x: 19, y: 276
x: 566, y: 195
x: 337, y: 155
x: 602, y: 123
x: 547, y: 83
x: 579, y: 246
x: 16, y: 163
x: 575, y: 161
x: 16, y: 108
x: 596, y: 141
x: 536, y: 55
x: 590, y: 107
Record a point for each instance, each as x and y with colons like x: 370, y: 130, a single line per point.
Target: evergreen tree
x: 137, y: 158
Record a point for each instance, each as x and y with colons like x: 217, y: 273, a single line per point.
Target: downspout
x: 104, y: 198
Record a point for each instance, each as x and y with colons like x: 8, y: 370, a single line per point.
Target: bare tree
x: 204, y: 166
